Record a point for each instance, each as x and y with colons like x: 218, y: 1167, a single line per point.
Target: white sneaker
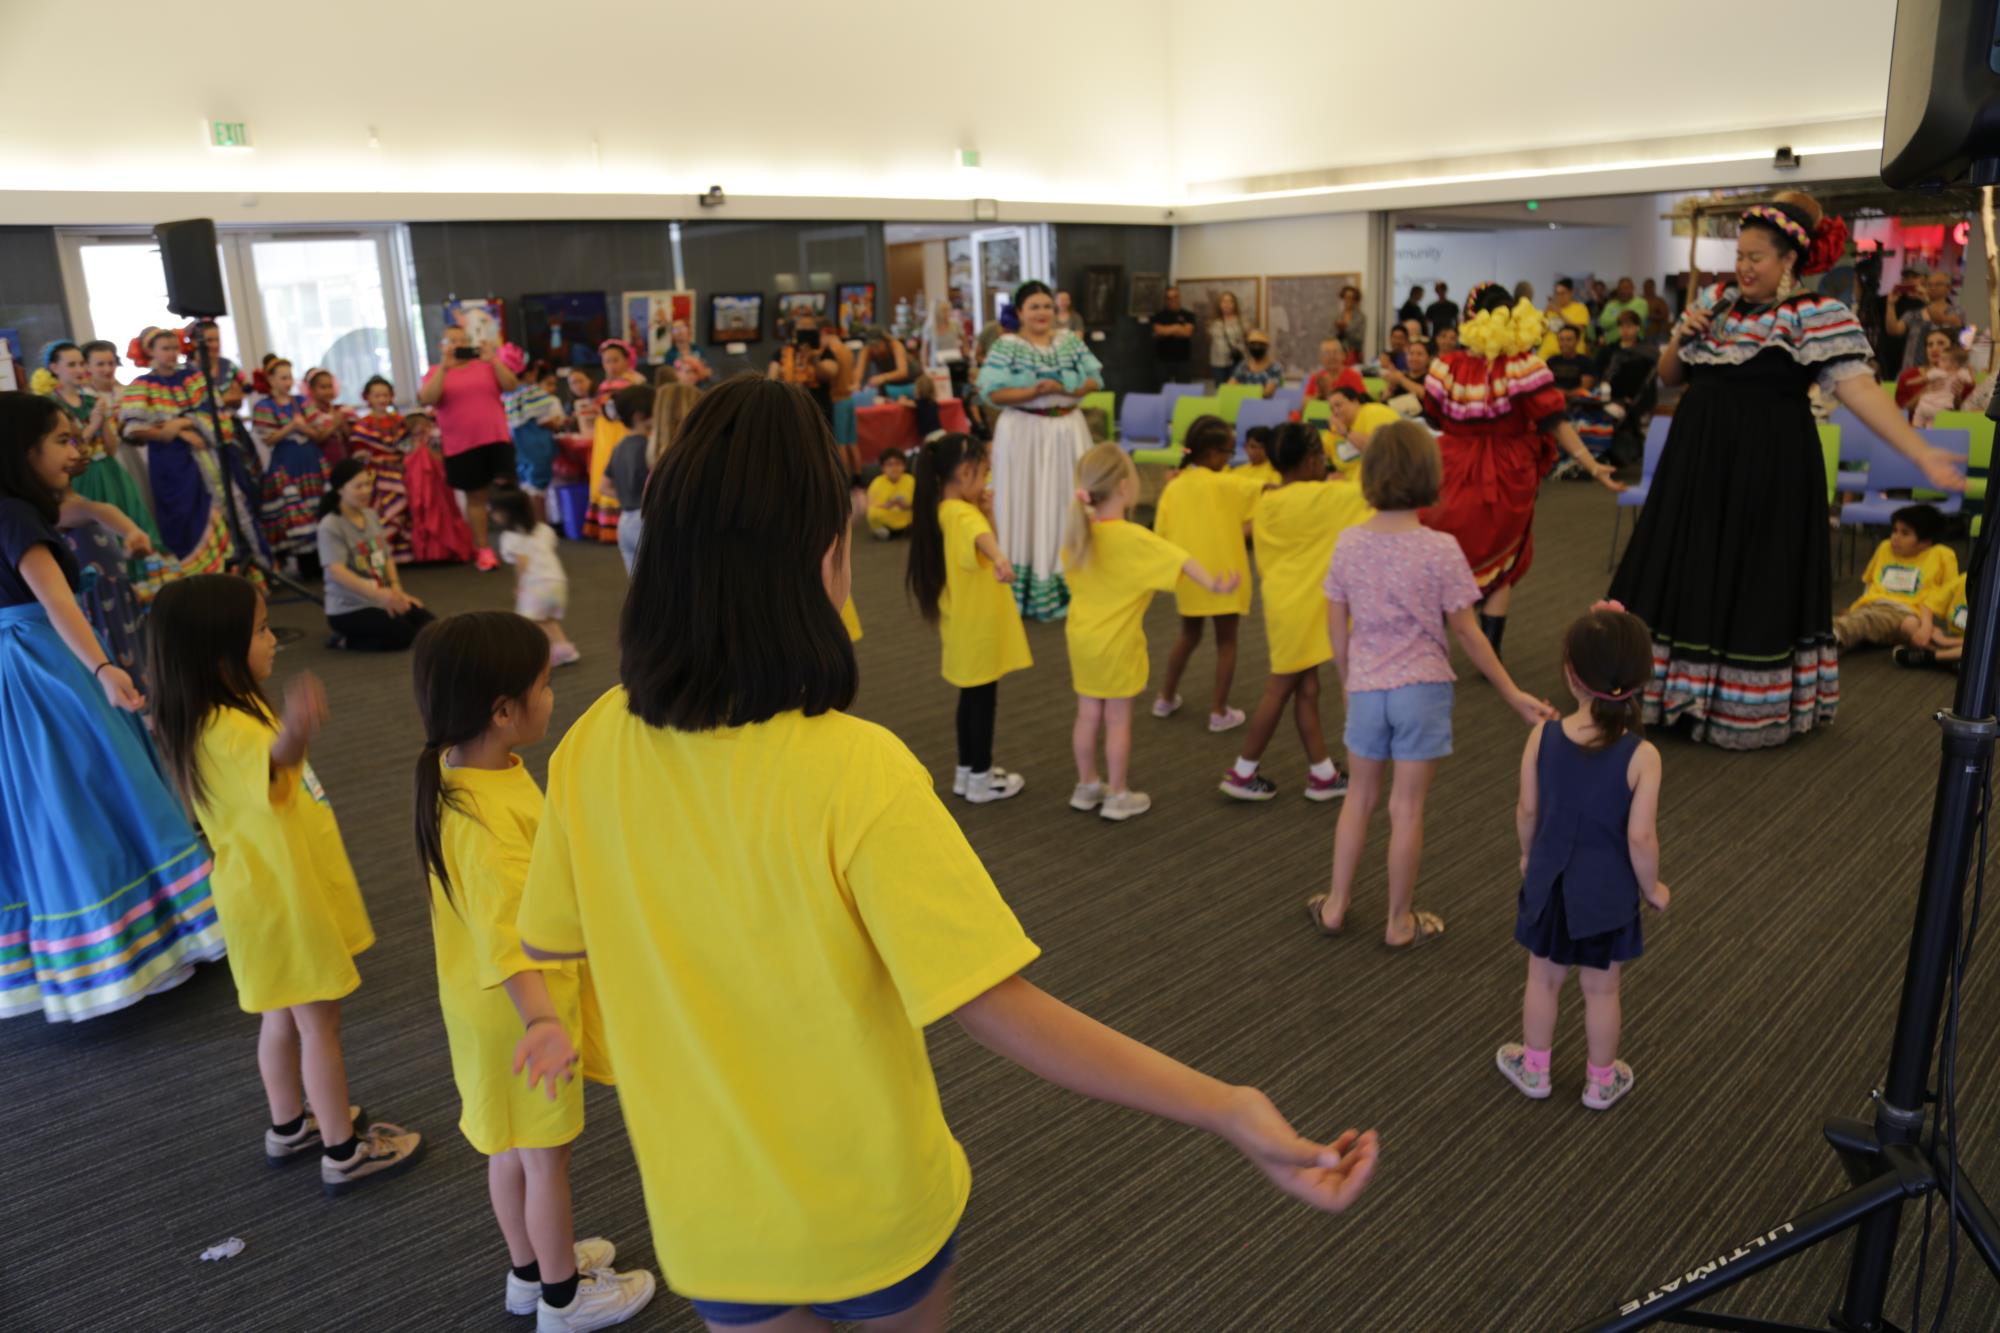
x: 1229, y: 719
x: 1087, y: 796
x: 591, y: 1255
x: 1120, y: 806
x: 958, y: 777
x: 1166, y: 707
x: 995, y: 785
x: 602, y: 1299
x: 383, y: 1150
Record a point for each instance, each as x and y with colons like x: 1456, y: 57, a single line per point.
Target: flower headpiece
x: 1773, y: 216
x: 1499, y: 331
x: 622, y: 346
x: 42, y: 382
x: 1829, y: 243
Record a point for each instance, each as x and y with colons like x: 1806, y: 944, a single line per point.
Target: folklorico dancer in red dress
x: 1500, y: 418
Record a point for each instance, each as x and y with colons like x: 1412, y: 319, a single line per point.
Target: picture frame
x: 735, y: 317
x: 1199, y: 295
x: 1099, y: 305
x: 646, y: 320
x: 1299, y: 312
x: 854, y: 307
x: 564, y: 328
x: 484, y: 318
x: 1148, y: 295
x: 788, y: 305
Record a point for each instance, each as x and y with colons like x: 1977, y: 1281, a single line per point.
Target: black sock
x: 560, y: 1294
x: 290, y: 1127
x: 1493, y: 627
x: 344, y: 1151
x: 529, y: 1272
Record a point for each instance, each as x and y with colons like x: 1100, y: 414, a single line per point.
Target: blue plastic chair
x: 1890, y: 471
x: 1270, y: 412
x: 1173, y: 393
x: 1142, y: 420
x: 1634, y: 497
x: 1857, y: 447
x: 1293, y: 396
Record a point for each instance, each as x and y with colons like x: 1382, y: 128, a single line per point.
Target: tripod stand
x: 244, y: 545
x: 1887, y: 1163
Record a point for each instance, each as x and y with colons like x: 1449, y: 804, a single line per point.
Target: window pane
x: 324, y: 306
x: 125, y: 285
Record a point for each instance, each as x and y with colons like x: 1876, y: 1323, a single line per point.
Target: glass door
x: 123, y: 289
x: 325, y: 302
x: 1002, y: 259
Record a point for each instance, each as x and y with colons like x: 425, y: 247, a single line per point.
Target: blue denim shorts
x: 1410, y: 722
x: 890, y: 1300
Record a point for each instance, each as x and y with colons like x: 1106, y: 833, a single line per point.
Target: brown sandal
x: 1313, y: 906
x: 1429, y: 926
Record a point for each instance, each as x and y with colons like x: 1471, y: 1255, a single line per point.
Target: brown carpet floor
x: 1762, y: 1006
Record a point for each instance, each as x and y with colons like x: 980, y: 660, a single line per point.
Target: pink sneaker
x: 1326, y: 789
x: 564, y: 654
x: 486, y: 562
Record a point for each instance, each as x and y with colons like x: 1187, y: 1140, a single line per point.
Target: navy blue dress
x: 1580, y: 900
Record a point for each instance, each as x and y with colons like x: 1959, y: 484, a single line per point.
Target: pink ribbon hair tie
x: 1608, y: 604
x: 1084, y: 495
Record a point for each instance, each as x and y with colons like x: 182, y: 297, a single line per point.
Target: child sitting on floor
x: 1939, y: 639
x: 890, y: 497
x: 1906, y: 568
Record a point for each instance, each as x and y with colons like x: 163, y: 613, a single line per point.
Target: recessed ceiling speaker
x: 194, y: 275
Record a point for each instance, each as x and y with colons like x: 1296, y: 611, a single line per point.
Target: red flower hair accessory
x: 1829, y: 243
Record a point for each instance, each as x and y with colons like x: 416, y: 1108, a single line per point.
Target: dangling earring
x: 1788, y: 285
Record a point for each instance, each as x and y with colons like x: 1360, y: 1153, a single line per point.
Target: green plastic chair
x: 1233, y: 396
x: 1829, y: 448
x: 1162, y: 457
x: 1318, y: 409
x: 1185, y: 412
x: 1106, y: 402
x: 1377, y: 389
x: 1979, y: 452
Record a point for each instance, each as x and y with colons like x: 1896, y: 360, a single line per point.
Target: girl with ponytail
x: 1114, y: 567
x: 1590, y: 851
x: 962, y: 581
x: 482, y: 686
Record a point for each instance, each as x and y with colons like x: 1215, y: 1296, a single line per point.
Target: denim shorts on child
x: 1410, y: 722
x: 893, y: 1299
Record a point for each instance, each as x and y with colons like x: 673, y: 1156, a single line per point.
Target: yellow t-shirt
x: 486, y: 849
x: 284, y: 892
x: 1344, y: 452
x: 1295, y: 528
x: 851, y: 618
x: 1575, y: 315
x: 880, y: 492
x: 1263, y: 472
x: 977, y: 618
x: 1108, y: 597
x: 773, y: 914
x: 1949, y: 607
x: 1203, y: 513
x: 1889, y: 578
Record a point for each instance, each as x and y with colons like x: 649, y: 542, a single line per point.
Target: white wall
x: 1319, y: 243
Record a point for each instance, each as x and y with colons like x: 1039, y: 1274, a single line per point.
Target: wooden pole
x: 1694, y: 243
x: 1992, y: 276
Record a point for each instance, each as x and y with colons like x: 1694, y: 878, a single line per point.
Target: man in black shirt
x: 1574, y: 373
x: 1442, y: 313
x: 1173, y: 340
x: 1412, y: 308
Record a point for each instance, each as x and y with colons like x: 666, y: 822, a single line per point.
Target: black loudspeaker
x: 194, y: 278
x: 1943, y: 111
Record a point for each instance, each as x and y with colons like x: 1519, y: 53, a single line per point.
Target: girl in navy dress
x: 1590, y: 851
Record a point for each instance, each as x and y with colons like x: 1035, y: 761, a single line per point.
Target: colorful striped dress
x: 1730, y: 565
x: 103, y: 477
x: 294, y: 475
x: 378, y: 442
x: 601, y: 523
x: 186, y: 480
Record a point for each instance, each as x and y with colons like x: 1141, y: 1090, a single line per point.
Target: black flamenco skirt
x: 1731, y: 566
x: 1547, y: 936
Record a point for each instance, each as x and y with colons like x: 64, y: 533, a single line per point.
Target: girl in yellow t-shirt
x: 1205, y: 510
x: 1256, y: 444
x: 284, y: 891
x: 766, y: 987
x: 1295, y: 527
x: 960, y: 579
x: 891, y: 498
x: 482, y: 685
x: 1114, y: 567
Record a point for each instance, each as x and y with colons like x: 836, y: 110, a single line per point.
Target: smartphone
x: 465, y: 353
x: 805, y: 337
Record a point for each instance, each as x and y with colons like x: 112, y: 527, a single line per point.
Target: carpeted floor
x: 1762, y: 1006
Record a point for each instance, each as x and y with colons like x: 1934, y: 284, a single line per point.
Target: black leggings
x: 977, y: 705
x: 373, y: 630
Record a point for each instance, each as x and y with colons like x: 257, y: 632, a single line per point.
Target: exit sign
x: 228, y: 134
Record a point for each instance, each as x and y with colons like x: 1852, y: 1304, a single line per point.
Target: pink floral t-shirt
x: 1398, y: 588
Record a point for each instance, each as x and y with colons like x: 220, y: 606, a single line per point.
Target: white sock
x: 961, y: 772
x: 1247, y: 768
x: 1324, y: 770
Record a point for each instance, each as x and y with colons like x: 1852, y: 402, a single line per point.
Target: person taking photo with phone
x: 465, y: 387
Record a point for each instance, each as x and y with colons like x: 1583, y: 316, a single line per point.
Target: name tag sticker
x: 310, y: 780
x: 1345, y: 451
x: 1958, y: 616
x: 1899, y: 578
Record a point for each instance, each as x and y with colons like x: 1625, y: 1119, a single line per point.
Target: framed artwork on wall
x: 791, y: 304
x: 1149, y: 294
x: 856, y: 307
x: 648, y: 320
x: 1300, y: 310
x: 564, y: 328
x: 1100, y: 294
x: 1200, y: 295
x: 736, y: 317
x: 482, y: 317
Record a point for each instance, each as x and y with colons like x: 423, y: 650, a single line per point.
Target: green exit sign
x: 228, y: 134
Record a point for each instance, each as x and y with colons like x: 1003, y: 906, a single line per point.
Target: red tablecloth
x: 893, y: 425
